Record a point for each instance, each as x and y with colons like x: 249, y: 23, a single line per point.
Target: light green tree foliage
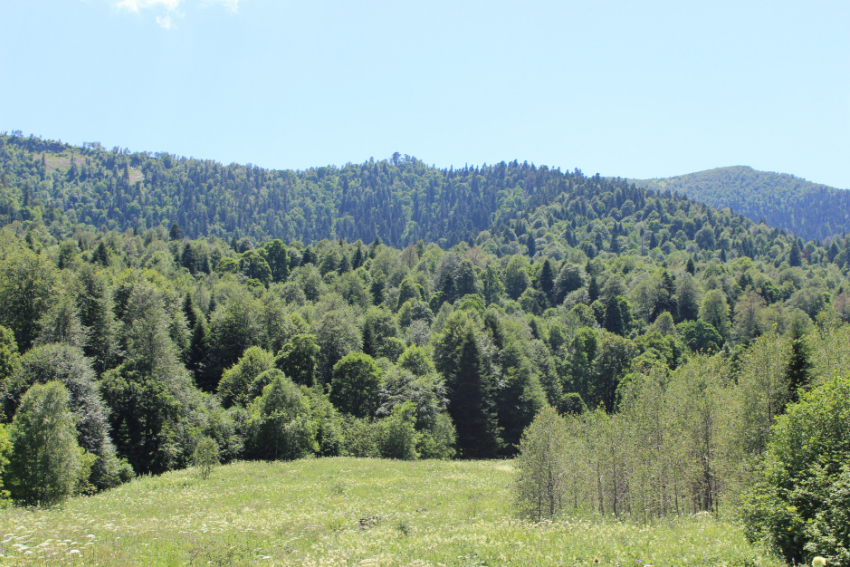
x: 714, y: 310
x: 356, y: 384
x: 330, y: 435
x: 830, y: 356
x: 236, y: 381
x: 671, y: 449
x: 9, y: 357
x: 702, y: 424
x: 801, y: 497
x: 276, y: 326
x: 45, y: 463
x: 764, y: 389
x: 612, y: 362
x: 397, y: 436
x: 206, y: 456
x: 27, y: 285
x: 416, y: 360
x: 337, y: 335
x: 747, y: 321
x: 61, y: 324
x: 516, y: 277
x: 234, y: 327
x: 280, y: 424
x: 64, y: 363
x: 542, y: 466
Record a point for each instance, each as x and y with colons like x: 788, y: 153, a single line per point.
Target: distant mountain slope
x: 810, y: 210
x: 402, y: 200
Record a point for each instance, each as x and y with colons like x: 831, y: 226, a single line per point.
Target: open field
x: 345, y: 511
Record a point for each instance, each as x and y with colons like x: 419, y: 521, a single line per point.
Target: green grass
x: 309, y: 513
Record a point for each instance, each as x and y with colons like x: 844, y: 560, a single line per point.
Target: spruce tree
x: 471, y: 404
x: 614, y: 317
x: 546, y: 281
x: 798, y: 373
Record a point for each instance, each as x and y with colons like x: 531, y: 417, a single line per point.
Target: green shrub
x: 206, y: 456
x: 800, y: 499
x: 397, y: 436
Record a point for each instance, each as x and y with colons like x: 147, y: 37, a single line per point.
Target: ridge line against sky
x: 640, y: 91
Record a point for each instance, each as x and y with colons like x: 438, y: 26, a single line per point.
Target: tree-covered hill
x: 402, y: 200
x: 808, y: 209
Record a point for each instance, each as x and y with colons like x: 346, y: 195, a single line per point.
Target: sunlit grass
x: 335, y: 512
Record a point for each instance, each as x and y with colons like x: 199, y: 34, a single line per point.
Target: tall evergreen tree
x: 546, y: 280
x: 472, y: 404
x: 798, y: 373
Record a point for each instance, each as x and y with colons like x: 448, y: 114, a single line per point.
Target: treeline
x: 277, y: 350
x: 712, y: 436
x: 401, y: 200
x: 505, y: 209
x: 810, y: 210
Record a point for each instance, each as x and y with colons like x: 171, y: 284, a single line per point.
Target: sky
x: 632, y: 89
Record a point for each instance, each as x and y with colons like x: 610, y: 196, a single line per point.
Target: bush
x: 397, y: 436
x: 280, y: 424
x: 206, y: 456
x: 800, y: 499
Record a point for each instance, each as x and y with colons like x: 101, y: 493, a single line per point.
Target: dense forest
x: 810, y: 210
x: 145, y: 301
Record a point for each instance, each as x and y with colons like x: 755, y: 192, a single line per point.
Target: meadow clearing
x: 346, y: 512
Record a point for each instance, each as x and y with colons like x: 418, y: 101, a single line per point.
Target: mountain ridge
x: 811, y: 210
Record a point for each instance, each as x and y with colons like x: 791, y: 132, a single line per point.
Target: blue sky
x: 635, y: 89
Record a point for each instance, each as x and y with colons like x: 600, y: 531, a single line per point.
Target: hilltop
x: 810, y: 210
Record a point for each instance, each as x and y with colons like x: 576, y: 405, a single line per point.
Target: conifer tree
x: 471, y: 404
x: 546, y: 280
x: 798, y: 373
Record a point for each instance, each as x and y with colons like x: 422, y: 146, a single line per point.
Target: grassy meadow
x: 346, y: 512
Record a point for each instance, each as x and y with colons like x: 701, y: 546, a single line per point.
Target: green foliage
x: 237, y: 380
x: 355, y: 385
x: 396, y: 436
x: 449, y: 510
x: 541, y: 483
x: 9, y: 357
x: 280, y: 424
x: 66, y: 364
x: 298, y: 359
x: 27, y: 286
x: 799, y: 500
x: 45, y: 463
x: 206, y: 456
x: 700, y: 336
x: 808, y: 209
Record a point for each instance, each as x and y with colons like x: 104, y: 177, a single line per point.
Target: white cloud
x: 137, y: 5
x: 233, y: 5
x: 165, y: 21
x: 167, y: 10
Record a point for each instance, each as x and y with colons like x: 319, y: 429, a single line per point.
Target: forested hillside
x: 406, y: 312
x: 809, y: 210
x: 401, y: 200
